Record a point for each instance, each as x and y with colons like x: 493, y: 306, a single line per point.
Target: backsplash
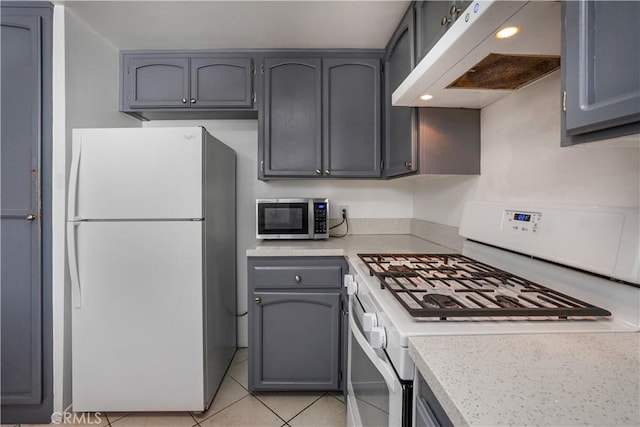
x: 521, y: 160
x: 441, y: 234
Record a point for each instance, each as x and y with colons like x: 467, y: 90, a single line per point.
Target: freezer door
x: 136, y: 173
x: 137, y: 335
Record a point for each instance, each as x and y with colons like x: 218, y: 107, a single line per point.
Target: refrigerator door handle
x: 73, y: 180
x: 73, y: 264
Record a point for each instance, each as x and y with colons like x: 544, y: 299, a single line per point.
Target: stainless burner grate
x: 452, y: 285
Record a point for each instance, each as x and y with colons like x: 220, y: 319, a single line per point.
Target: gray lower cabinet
x: 400, y: 142
x: 427, y: 411
x: 25, y: 269
x: 297, y: 324
x: 601, y: 63
x: 176, y: 81
x: 321, y: 117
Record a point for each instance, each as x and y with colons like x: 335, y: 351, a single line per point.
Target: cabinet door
x: 351, y: 112
x: 601, y: 61
x: 26, y: 355
x: 292, y: 132
x: 157, y: 82
x: 296, y: 341
x: 430, y: 26
x: 221, y: 82
x: 21, y: 242
x: 400, y: 153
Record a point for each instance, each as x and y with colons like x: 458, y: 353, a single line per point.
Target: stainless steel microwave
x: 292, y: 218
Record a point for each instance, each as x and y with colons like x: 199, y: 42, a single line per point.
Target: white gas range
x: 582, y: 262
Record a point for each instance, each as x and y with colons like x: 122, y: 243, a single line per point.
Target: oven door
x: 374, y: 391
x: 284, y: 219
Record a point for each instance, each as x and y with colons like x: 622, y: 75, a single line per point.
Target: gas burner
x: 425, y: 284
x: 440, y: 300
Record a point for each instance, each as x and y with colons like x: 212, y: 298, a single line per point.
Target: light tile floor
x: 235, y: 406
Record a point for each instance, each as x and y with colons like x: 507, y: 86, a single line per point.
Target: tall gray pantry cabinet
x: 26, y: 348
x: 297, y: 323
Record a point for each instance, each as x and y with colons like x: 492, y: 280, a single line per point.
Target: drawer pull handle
x: 298, y: 278
x: 258, y: 300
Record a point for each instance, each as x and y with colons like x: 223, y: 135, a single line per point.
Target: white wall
x: 366, y: 199
x: 521, y: 160
x: 85, y: 90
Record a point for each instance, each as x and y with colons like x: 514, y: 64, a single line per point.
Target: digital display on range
x: 522, y: 217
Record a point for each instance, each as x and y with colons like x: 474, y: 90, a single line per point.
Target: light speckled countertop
x: 348, y: 246
x: 534, y: 379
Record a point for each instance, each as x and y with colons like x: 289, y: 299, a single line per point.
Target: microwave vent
x: 499, y: 71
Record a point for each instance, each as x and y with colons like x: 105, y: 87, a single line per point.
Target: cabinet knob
x: 454, y: 10
x: 258, y: 300
x: 193, y: 100
x: 30, y: 217
x: 327, y: 172
x: 445, y: 20
x: 318, y: 171
x: 408, y: 165
x: 298, y: 278
x: 184, y: 100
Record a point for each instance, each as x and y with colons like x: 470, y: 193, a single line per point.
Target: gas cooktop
x: 452, y: 285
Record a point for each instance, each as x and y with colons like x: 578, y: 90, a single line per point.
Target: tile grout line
x: 194, y: 419
x: 222, y: 409
x: 306, y: 407
x: 337, y: 398
x: 266, y: 406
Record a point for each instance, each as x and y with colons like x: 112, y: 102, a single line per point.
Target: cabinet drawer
x: 328, y: 276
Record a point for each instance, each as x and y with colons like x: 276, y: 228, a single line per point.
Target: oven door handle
x: 385, y: 370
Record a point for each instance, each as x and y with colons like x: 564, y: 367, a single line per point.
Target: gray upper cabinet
x: 157, y: 82
x: 221, y: 82
x: 180, y: 82
x: 351, y: 111
x: 292, y: 114
x: 321, y: 116
x: 433, y: 19
x: 400, y: 142
x: 601, y: 63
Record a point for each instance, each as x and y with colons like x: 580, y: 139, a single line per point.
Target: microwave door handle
x: 382, y: 367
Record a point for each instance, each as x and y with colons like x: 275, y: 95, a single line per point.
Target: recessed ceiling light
x: 507, y: 32
x: 426, y: 97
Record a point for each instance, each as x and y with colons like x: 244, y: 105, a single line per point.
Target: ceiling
x: 241, y: 24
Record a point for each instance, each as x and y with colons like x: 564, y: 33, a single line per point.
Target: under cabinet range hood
x: 470, y: 67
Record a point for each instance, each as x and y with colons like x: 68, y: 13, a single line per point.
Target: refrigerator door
x: 137, y: 333
x: 136, y: 174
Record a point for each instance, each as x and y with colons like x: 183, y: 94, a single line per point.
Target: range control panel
x: 522, y: 222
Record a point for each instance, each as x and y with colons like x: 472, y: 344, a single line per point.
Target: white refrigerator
x: 151, y: 238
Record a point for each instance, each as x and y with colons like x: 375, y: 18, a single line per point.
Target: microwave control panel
x: 522, y: 222
x: 320, y: 216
